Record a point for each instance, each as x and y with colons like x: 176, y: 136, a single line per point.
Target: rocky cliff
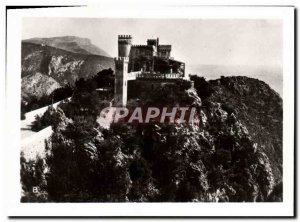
x: 232, y: 150
x: 259, y: 107
x: 57, y: 65
x: 38, y: 84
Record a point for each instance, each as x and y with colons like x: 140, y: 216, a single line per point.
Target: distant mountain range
x: 71, y: 44
x: 273, y: 76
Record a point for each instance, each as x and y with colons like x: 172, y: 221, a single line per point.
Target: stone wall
x: 141, y: 87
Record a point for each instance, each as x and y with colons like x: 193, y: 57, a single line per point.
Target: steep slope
x: 218, y: 157
x: 62, y: 66
x: 213, y: 159
x: 70, y: 43
x: 258, y: 107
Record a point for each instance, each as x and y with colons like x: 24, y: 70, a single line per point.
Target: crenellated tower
x: 121, y: 70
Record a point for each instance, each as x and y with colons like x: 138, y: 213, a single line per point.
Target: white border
x: 12, y: 194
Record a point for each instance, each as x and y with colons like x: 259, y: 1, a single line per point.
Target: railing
x: 158, y: 76
x: 133, y: 75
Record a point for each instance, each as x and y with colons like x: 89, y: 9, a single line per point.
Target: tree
x: 203, y: 88
x: 161, y: 65
x: 23, y: 111
x: 32, y: 176
x: 47, y: 119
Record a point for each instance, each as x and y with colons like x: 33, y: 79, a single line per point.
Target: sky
x: 228, y: 42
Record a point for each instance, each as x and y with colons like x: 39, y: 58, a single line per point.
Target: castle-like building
x: 150, y: 64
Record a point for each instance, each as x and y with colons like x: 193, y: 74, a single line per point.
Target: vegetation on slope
x: 214, y: 159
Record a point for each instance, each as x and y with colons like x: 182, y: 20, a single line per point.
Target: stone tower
x: 121, y: 70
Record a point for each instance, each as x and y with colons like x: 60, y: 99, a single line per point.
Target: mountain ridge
x: 70, y: 43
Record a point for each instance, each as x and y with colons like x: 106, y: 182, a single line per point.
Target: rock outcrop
x: 34, y: 84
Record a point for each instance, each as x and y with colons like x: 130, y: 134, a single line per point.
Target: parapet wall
x: 142, y: 46
x: 124, y: 41
x: 165, y: 47
x: 124, y: 37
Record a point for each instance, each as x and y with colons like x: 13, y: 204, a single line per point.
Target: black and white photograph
x: 153, y: 109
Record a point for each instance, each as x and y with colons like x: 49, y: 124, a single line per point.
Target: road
x: 33, y: 143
